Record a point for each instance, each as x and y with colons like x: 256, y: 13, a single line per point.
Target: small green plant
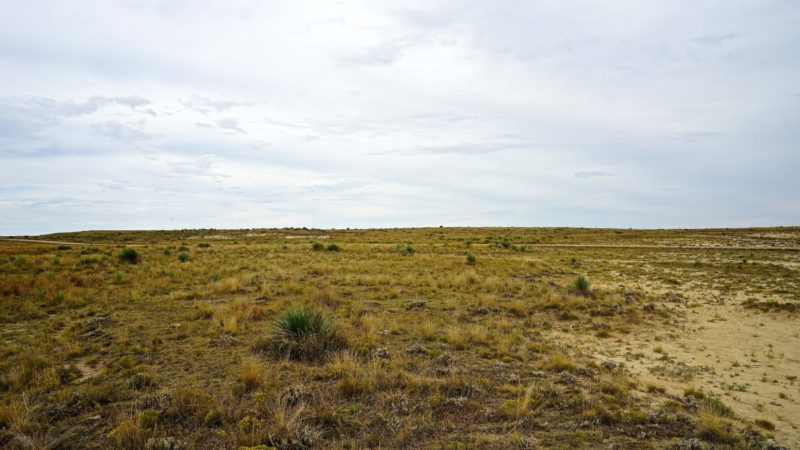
x: 204, y: 245
x: 471, y: 260
x: 300, y: 322
x: 304, y: 334
x: 317, y: 246
x: 765, y: 424
x: 581, y: 284
x: 405, y: 249
x: 334, y: 248
x: 129, y: 255
x: 183, y: 256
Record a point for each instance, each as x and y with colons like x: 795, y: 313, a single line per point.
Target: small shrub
x: 183, y: 256
x: 581, y: 284
x: 471, y: 260
x: 300, y: 322
x: 713, y: 429
x: 213, y: 419
x: 129, y: 255
x: 334, y: 248
x: 765, y: 424
x: 317, y: 246
x: 305, y: 334
x: 405, y: 249
x: 204, y: 245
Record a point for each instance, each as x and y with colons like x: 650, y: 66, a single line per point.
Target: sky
x: 247, y: 114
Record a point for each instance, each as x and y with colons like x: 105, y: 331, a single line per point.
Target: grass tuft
x: 128, y: 255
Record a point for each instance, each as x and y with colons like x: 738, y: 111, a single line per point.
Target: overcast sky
x: 238, y: 114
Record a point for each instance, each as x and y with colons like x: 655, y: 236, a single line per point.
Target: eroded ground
x: 684, y: 339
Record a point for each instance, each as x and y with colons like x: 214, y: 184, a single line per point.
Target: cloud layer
x: 360, y: 114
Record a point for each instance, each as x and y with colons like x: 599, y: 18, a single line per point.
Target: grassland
x: 443, y: 338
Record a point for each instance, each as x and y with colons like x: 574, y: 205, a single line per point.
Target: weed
x: 581, y: 284
x: 471, y: 260
x: 128, y: 255
x: 305, y: 333
x: 405, y: 249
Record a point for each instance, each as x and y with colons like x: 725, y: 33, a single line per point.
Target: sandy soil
x: 750, y: 359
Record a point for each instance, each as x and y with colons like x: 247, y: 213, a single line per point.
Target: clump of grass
x: 581, y: 284
x: 471, y: 260
x: 529, y: 400
x: 405, y: 249
x: 765, y: 424
x: 305, y: 333
x: 129, y: 255
x: 183, y: 256
x: 127, y: 435
x: 300, y: 322
x: 251, y: 374
x: 317, y: 246
x: 558, y: 362
x: 713, y: 429
x: 333, y: 247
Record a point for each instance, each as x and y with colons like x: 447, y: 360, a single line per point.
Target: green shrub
x: 183, y: 256
x: 213, y: 419
x: 581, y: 284
x: 129, y: 255
x: 471, y: 260
x: 204, y: 245
x: 299, y: 322
x: 334, y: 248
x: 317, y: 246
x: 304, y: 334
x: 405, y: 249
x: 765, y: 424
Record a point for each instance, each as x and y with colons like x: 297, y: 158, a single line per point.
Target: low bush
x: 471, y: 260
x: 581, y: 284
x: 129, y: 255
x: 305, y: 334
x: 405, y: 249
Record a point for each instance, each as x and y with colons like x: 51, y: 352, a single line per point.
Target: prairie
x: 441, y: 338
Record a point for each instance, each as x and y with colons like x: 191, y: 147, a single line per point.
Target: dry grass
x: 428, y: 350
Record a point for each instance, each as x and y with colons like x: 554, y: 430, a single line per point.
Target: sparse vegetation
x: 259, y: 341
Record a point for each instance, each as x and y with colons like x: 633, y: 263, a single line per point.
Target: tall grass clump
x: 129, y: 255
x: 334, y: 248
x: 305, y: 333
x: 317, y: 246
x: 406, y: 249
x: 581, y: 284
x: 471, y: 260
